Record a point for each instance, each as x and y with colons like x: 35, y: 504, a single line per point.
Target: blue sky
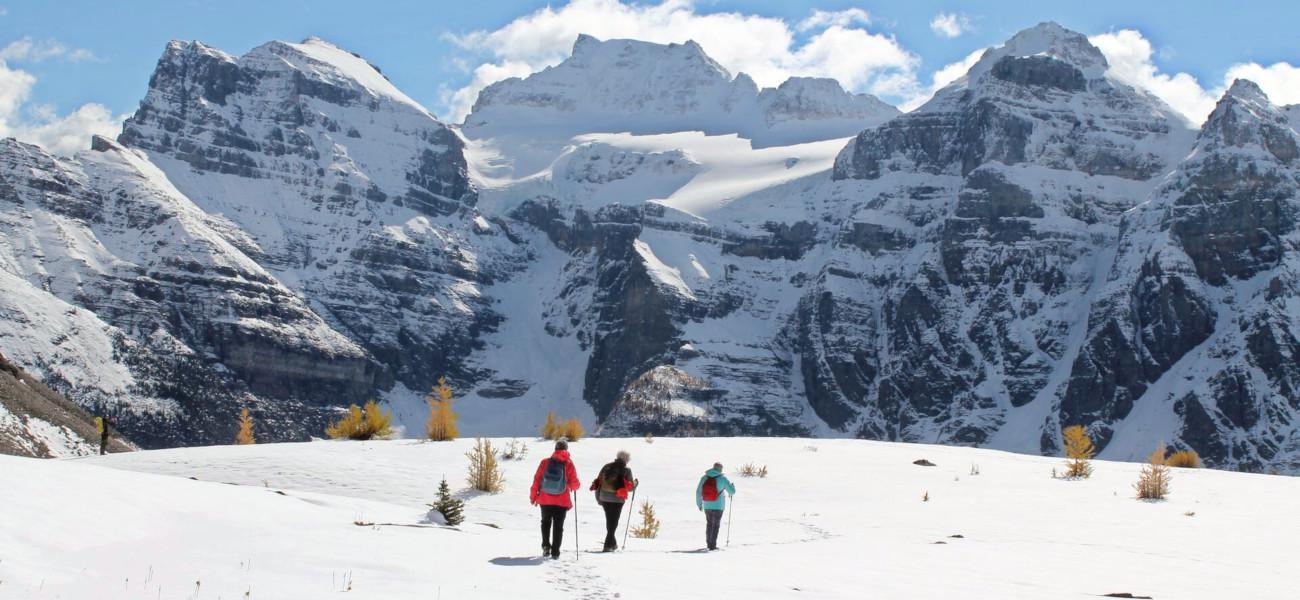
x: 101, y: 53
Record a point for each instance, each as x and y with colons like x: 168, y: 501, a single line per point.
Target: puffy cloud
x: 1280, y: 81
x: 1130, y: 56
x: 950, y: 25
x: 945, y: 75
x: 832, y: 44
x: 27, y: 50
x: 41, y: 124
x: 842, y: 18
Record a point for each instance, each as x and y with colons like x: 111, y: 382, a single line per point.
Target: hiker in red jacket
x: 556, y: 477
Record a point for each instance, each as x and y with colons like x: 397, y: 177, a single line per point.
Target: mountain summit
x: 638, y: 238
x: 643, y: 87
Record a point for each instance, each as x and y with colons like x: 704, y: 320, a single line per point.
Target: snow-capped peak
x: 811, y: 98
x: 320, y: 60
x: 629, y: 85
x: 1052, y: 40
x: 1245, y: 116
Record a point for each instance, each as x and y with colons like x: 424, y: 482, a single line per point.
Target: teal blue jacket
x: 724, y: 485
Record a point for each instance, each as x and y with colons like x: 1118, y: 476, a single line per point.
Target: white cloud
x: 27, y: 50
x: 950, y: 25
x: 834, y: 45
x: 945, y: 75
x: 821, y: 19
x: 63, y: 135
x: 1280, y: 81
x: 1130, y: 56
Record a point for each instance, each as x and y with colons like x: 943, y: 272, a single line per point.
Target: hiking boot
x: 546, y: 550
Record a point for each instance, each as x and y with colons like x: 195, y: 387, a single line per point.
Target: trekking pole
x: 628, y: 524
x: 577, y: 547
x: 733, y: 502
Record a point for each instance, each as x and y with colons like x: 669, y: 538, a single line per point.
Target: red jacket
x: 537, y: 496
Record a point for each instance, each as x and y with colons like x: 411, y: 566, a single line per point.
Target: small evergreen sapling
x: 484, y: 472
x: 649, y: 526
x: 452, y: 509
x: 441, y: 426
x: 245, y: 435
x: 1153, y: 482
x: 1079, y: 450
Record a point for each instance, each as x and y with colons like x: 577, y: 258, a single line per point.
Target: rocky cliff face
x: 1197, y: 323
x: 338, y: 266
x: 634, y: 237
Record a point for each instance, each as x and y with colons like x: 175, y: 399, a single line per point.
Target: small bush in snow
x: 484, y: 472
x: 572, y: 430
x: 649, y: 438
x: 1078, y: 452
x: 362, y: 424
x: 555, y: 429
x: 245, y: 435
x: 441, y: 426
x: 515, y: 450
x: 452, y: 509
x: 649, y: 526
x: 752, y: 470
x: 550, y: 429
x: 1153, y: 482
x: 1184, y: 459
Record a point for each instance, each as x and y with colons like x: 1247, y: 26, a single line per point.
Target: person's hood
x: 561, y: 455
x: 713, y: 473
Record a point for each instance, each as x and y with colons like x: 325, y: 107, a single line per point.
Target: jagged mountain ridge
x: 947, y: 277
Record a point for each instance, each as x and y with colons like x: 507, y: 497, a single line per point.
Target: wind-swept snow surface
x: 833, y: 519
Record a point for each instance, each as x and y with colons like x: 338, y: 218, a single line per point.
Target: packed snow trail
x: 832, y: 519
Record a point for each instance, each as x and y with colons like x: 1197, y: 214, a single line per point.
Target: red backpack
x: 710, y: 492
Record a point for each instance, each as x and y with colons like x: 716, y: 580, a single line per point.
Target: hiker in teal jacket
x: 710, y: 499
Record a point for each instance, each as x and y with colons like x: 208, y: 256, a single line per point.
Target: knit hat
x: 562, y: 444
x: 717, y: 467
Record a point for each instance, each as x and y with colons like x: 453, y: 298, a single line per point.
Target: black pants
x: 612, y: 512
x: 553, y: 528
x: 714, y: 520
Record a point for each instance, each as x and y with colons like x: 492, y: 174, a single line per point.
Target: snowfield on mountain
x: 641, y: 239
x: 832, y: 519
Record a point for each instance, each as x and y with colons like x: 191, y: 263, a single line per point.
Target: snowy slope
x: 285, y: 528
x: 36, y: 421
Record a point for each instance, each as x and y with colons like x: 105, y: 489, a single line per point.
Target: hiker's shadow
x: 517, y: 561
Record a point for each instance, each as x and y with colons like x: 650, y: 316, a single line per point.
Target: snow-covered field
x: 834, y: 519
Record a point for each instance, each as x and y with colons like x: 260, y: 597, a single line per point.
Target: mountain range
x: 641, y: 239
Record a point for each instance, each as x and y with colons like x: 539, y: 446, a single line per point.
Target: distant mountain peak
x: 646, y: 87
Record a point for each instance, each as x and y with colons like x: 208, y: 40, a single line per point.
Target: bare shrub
x: 484, y: 472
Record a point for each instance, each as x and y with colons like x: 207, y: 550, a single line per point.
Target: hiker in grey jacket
x: 612, y: 487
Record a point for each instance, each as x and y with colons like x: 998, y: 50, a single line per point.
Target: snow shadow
x: 517, y: 561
